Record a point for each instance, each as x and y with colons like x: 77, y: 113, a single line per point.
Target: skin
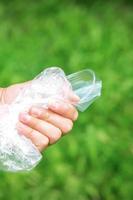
x: 43, y: 126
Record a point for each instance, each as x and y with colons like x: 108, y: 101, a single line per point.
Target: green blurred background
x: 95, y: 162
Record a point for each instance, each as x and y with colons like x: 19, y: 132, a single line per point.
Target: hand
x: 43, y: 126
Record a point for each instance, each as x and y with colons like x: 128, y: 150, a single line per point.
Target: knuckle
x: 55, y: 136
x: 30, y: 132
x: 45, y: 114
x: 40, y: 112
x: 68, y: 127
x: 37, y: 125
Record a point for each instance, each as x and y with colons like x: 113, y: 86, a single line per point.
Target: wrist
x: 2, y: 91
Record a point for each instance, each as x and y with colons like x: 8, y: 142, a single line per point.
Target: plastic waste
x: 18, y: 153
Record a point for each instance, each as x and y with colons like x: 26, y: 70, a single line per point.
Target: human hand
x: 43, y: 126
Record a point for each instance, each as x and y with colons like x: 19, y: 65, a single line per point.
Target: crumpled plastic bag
x: 17, y: 153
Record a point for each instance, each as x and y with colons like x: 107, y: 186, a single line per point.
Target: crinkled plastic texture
x: 17, y: 153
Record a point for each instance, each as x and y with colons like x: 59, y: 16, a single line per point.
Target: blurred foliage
x: 95, y: 161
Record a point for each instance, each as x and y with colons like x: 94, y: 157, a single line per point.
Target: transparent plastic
x: 86, y: 86
x: 17, y: 153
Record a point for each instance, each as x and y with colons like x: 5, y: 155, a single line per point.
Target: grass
x: 95, y: 161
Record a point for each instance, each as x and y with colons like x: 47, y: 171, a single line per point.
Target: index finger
x: 65, y: 109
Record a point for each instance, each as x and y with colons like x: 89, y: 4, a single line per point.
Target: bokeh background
x: 94, y: 162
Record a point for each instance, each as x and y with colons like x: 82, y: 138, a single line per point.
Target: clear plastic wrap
x: 17, y: 153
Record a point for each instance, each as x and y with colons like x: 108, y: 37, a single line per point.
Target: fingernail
x: 36, y: 111
x: 25, y: 117
x: 75, y: 115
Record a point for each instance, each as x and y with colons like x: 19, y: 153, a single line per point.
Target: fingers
x: 73, y: 98
x: 64, y: 124
x: 45, y: 126
x: 47, y: 129
x: 64, y: 109
x: 39, y: 140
